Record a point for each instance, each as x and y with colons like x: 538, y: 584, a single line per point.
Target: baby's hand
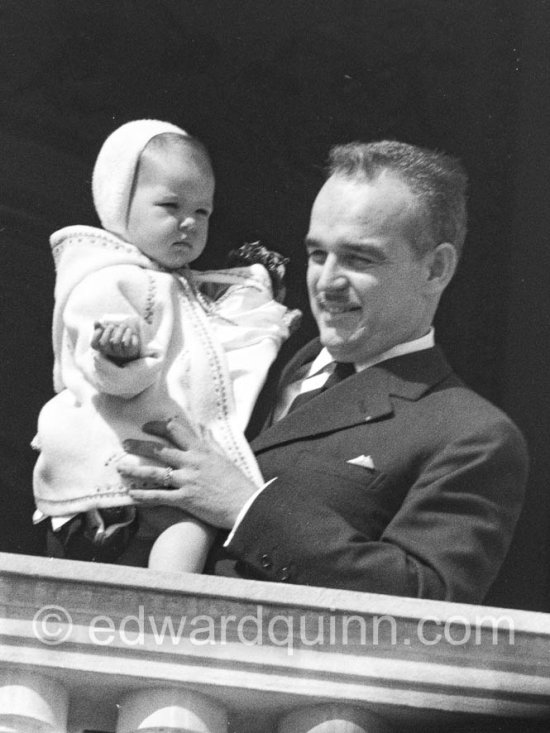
x: 116, y: 341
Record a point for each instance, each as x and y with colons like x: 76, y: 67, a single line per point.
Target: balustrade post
x: 333, y: 718
x: 170, y: 710
x: 30, y: 702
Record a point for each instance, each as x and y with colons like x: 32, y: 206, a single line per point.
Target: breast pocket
x: 364, y: 497
x: 323, y: 466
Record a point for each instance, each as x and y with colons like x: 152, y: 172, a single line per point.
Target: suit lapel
x: 303, y: 356
x: 287, y: 374
x: 362, y: 398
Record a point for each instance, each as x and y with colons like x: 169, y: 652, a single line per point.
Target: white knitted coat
x: 192, y: 359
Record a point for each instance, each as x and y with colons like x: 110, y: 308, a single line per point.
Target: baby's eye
x: 203, y: 212
x: 168, y: 204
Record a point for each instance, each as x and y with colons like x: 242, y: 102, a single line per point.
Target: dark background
x: 270, y: 86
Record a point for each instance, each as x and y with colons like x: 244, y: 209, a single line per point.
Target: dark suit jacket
x: 432, y: 519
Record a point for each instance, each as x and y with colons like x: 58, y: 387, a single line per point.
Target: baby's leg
x: 182, y: 547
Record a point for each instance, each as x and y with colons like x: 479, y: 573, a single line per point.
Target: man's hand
x: 117, y: 342
x: 199, y: 478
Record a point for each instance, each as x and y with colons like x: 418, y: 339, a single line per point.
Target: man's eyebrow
x: 311, y: 242
x: 363, y: 248
x: 352, y: 248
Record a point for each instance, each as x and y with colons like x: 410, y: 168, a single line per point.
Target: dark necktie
x: 341, y: 371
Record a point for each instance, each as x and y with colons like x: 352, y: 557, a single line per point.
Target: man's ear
x: 442, y: 262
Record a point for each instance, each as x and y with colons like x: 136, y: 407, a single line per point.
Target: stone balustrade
x: 90, y: 647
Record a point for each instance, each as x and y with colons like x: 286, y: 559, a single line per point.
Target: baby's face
x: 171, y: 206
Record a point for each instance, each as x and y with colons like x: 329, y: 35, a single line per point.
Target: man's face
x: 171, y: 206
x: 367, y: 288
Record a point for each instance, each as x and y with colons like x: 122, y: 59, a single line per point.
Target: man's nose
x: 332, y: 276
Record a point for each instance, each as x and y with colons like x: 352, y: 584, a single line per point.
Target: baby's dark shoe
x: 100, y: 535
x: 110, y: 530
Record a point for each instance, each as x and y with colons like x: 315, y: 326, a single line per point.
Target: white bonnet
x: 115, y: 168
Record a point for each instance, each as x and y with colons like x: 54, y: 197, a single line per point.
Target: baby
x: 136, y: 339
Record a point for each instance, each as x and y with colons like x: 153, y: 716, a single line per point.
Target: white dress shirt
x: 315, y: 374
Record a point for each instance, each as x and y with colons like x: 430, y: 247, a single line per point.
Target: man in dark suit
x: 384, y: 472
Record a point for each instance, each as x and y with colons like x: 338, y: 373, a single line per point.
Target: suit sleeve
x: 446, y: 539
x: 124, y: 295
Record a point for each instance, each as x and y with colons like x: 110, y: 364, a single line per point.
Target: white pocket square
x: 363, y: 461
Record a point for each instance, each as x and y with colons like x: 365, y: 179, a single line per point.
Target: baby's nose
x: 187, y: 223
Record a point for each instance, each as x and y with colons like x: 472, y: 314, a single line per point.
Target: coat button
x: 266, y: 562
x: 284, y: 573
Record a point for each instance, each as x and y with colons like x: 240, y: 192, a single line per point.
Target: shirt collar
x: 323, y: 358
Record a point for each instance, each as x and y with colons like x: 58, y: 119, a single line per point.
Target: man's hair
x: 438, y: 181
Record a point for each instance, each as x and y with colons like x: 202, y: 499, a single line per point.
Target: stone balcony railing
x: 89, y: 647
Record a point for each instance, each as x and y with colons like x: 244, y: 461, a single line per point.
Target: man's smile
x: 336, y: 307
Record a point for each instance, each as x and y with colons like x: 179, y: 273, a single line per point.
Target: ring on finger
x: 166, y: 480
